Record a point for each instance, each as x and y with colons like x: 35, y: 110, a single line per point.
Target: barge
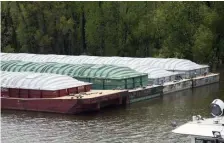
x: 54, y: 93
x: 205, y: 80
x: 70, y: 104
x: 149, y: 82
x: 145, y: 93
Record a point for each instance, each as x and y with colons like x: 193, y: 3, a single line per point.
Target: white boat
x: 206, y: 130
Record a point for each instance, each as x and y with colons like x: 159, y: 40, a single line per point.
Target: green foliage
x: 191, y: 30
x: 203, y: 44
x: 9, y: 49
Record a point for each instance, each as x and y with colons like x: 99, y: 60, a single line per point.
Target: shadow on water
x: 147, y: 121
x: 82, y: 116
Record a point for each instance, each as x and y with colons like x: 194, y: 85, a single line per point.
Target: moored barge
x: 72, y: 104
x: 54, y: 93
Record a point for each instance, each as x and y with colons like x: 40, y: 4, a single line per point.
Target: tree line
x: 190, y: 30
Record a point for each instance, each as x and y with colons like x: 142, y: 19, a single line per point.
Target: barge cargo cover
x: 102, y: 76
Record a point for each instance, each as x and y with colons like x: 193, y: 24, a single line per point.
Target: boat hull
x: 66, y: 106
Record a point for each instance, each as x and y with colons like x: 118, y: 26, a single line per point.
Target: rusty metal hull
x: 65, y: 105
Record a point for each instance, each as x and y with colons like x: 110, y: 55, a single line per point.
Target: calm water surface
x: 147, y: 121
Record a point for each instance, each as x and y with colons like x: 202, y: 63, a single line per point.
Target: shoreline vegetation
x: 188, y: 30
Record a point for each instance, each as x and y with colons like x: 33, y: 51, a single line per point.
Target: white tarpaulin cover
x: 39, y: 81
x: 156, y: 67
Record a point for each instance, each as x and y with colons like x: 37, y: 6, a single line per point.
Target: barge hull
x: 205, y: 80
x: 66, y: 104
x: 146, y: 93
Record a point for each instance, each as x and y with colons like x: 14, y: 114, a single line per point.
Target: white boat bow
x: 210, y: 130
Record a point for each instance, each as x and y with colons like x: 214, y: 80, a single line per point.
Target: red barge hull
x: 66, y: 104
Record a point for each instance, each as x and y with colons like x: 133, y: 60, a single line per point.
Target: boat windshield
x: 199, y: 140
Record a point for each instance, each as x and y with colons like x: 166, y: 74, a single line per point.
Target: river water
x: 147, y: 121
